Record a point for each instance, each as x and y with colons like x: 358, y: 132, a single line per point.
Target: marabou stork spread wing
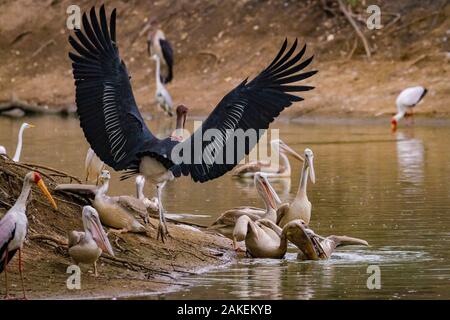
x: 117, y: 133
x: 251, y: 105
x: 167, y: 52
x: 105, y: 102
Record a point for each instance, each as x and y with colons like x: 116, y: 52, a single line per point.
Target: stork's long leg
x: 21, y: 273
x: 6, y: 274
x: 162, y: 227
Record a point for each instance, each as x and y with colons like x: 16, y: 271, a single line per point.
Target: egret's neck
x: 399, y: 115
x: 158, y: 79
x: 21, y: 202
x: 285, y: 163
x: 303, y: 181
x: 103, y: 189
x: 16, y: 157
x: 140, y: 191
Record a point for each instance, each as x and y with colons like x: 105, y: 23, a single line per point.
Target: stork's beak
x: 312, y: 173
x: 31, y: 126
x: 45, y: 191
x: 270, y: 192
x: 100, y: 236
x: 290, y: 151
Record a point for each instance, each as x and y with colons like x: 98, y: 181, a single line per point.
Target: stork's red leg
x: 21, y: 273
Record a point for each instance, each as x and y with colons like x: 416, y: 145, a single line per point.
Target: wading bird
x: 118, y: 134
x: 16, y: 157
x: 158, y: 45
x: 227, y: 220
x: 282, y: 170
x: 14, y: 226
x: 86, y: 247
x: 406, y: 101
x: 300, y: 208
x: 162, y: 96
x: 93, y: 166
x: 118, y: 212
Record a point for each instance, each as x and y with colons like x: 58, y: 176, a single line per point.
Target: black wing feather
x: 167, y: 52
x: 105, y: 102
x: 251, y: 105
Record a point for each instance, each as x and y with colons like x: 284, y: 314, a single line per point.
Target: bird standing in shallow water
x: 16, y: 157
x: 406, y: 101
x: 116, y: 131
x: 300, y: 207
x: 14, y: 226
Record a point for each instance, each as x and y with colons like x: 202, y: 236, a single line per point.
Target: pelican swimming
x: 300, y: 208
x: 264, y: 239
x: 116, y: 131
x: 406, y: 101
x: 115, y: 212
x: 162, y: 96
x: 93, y: 166
x: 86, y: 247
x: 158, y: 45
x: 313, y: 246
x: 227, y: 220
x: 281, y: 170
x: 18, y: 152
x: 14, y: 226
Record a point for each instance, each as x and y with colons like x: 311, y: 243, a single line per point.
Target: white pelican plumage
x: 283, y: 170
x: 300, y: 208
x: 93, y: 166
x: 406, y: 101
x: 117, y: 212
x: 227, y: 220
x: 86, y: 247
x: 16, y: 157
x: 14, y: 226
x: 162, y: 96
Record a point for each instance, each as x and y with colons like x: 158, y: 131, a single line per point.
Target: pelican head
x: 279, y: 146
x: 309, y: 163
x: 266, y: 190
x: 37, y: 179
x: 104, y: 176
x: 92, y: 225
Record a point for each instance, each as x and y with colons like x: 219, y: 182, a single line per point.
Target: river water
x: 392, y: 190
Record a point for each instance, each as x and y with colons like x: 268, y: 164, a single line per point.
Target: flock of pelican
x: 119, y: 138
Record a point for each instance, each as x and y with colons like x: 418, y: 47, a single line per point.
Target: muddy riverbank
x: 142, y: 264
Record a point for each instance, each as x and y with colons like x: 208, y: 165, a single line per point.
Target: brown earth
x: 219, y: 43
x: 141, y: 264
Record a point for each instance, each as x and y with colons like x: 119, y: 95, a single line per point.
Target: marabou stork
x: 118, y: 134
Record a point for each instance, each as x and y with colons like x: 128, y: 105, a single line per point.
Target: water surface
x: 391, y: 189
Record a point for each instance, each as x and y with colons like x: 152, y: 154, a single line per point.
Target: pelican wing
x: 7, y: 231
x: 132, y: 204
x: 74, y: 238
x: 105, y: 102
x: 251, y: 105
x: 282, y: 211
x: 167, y: 52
